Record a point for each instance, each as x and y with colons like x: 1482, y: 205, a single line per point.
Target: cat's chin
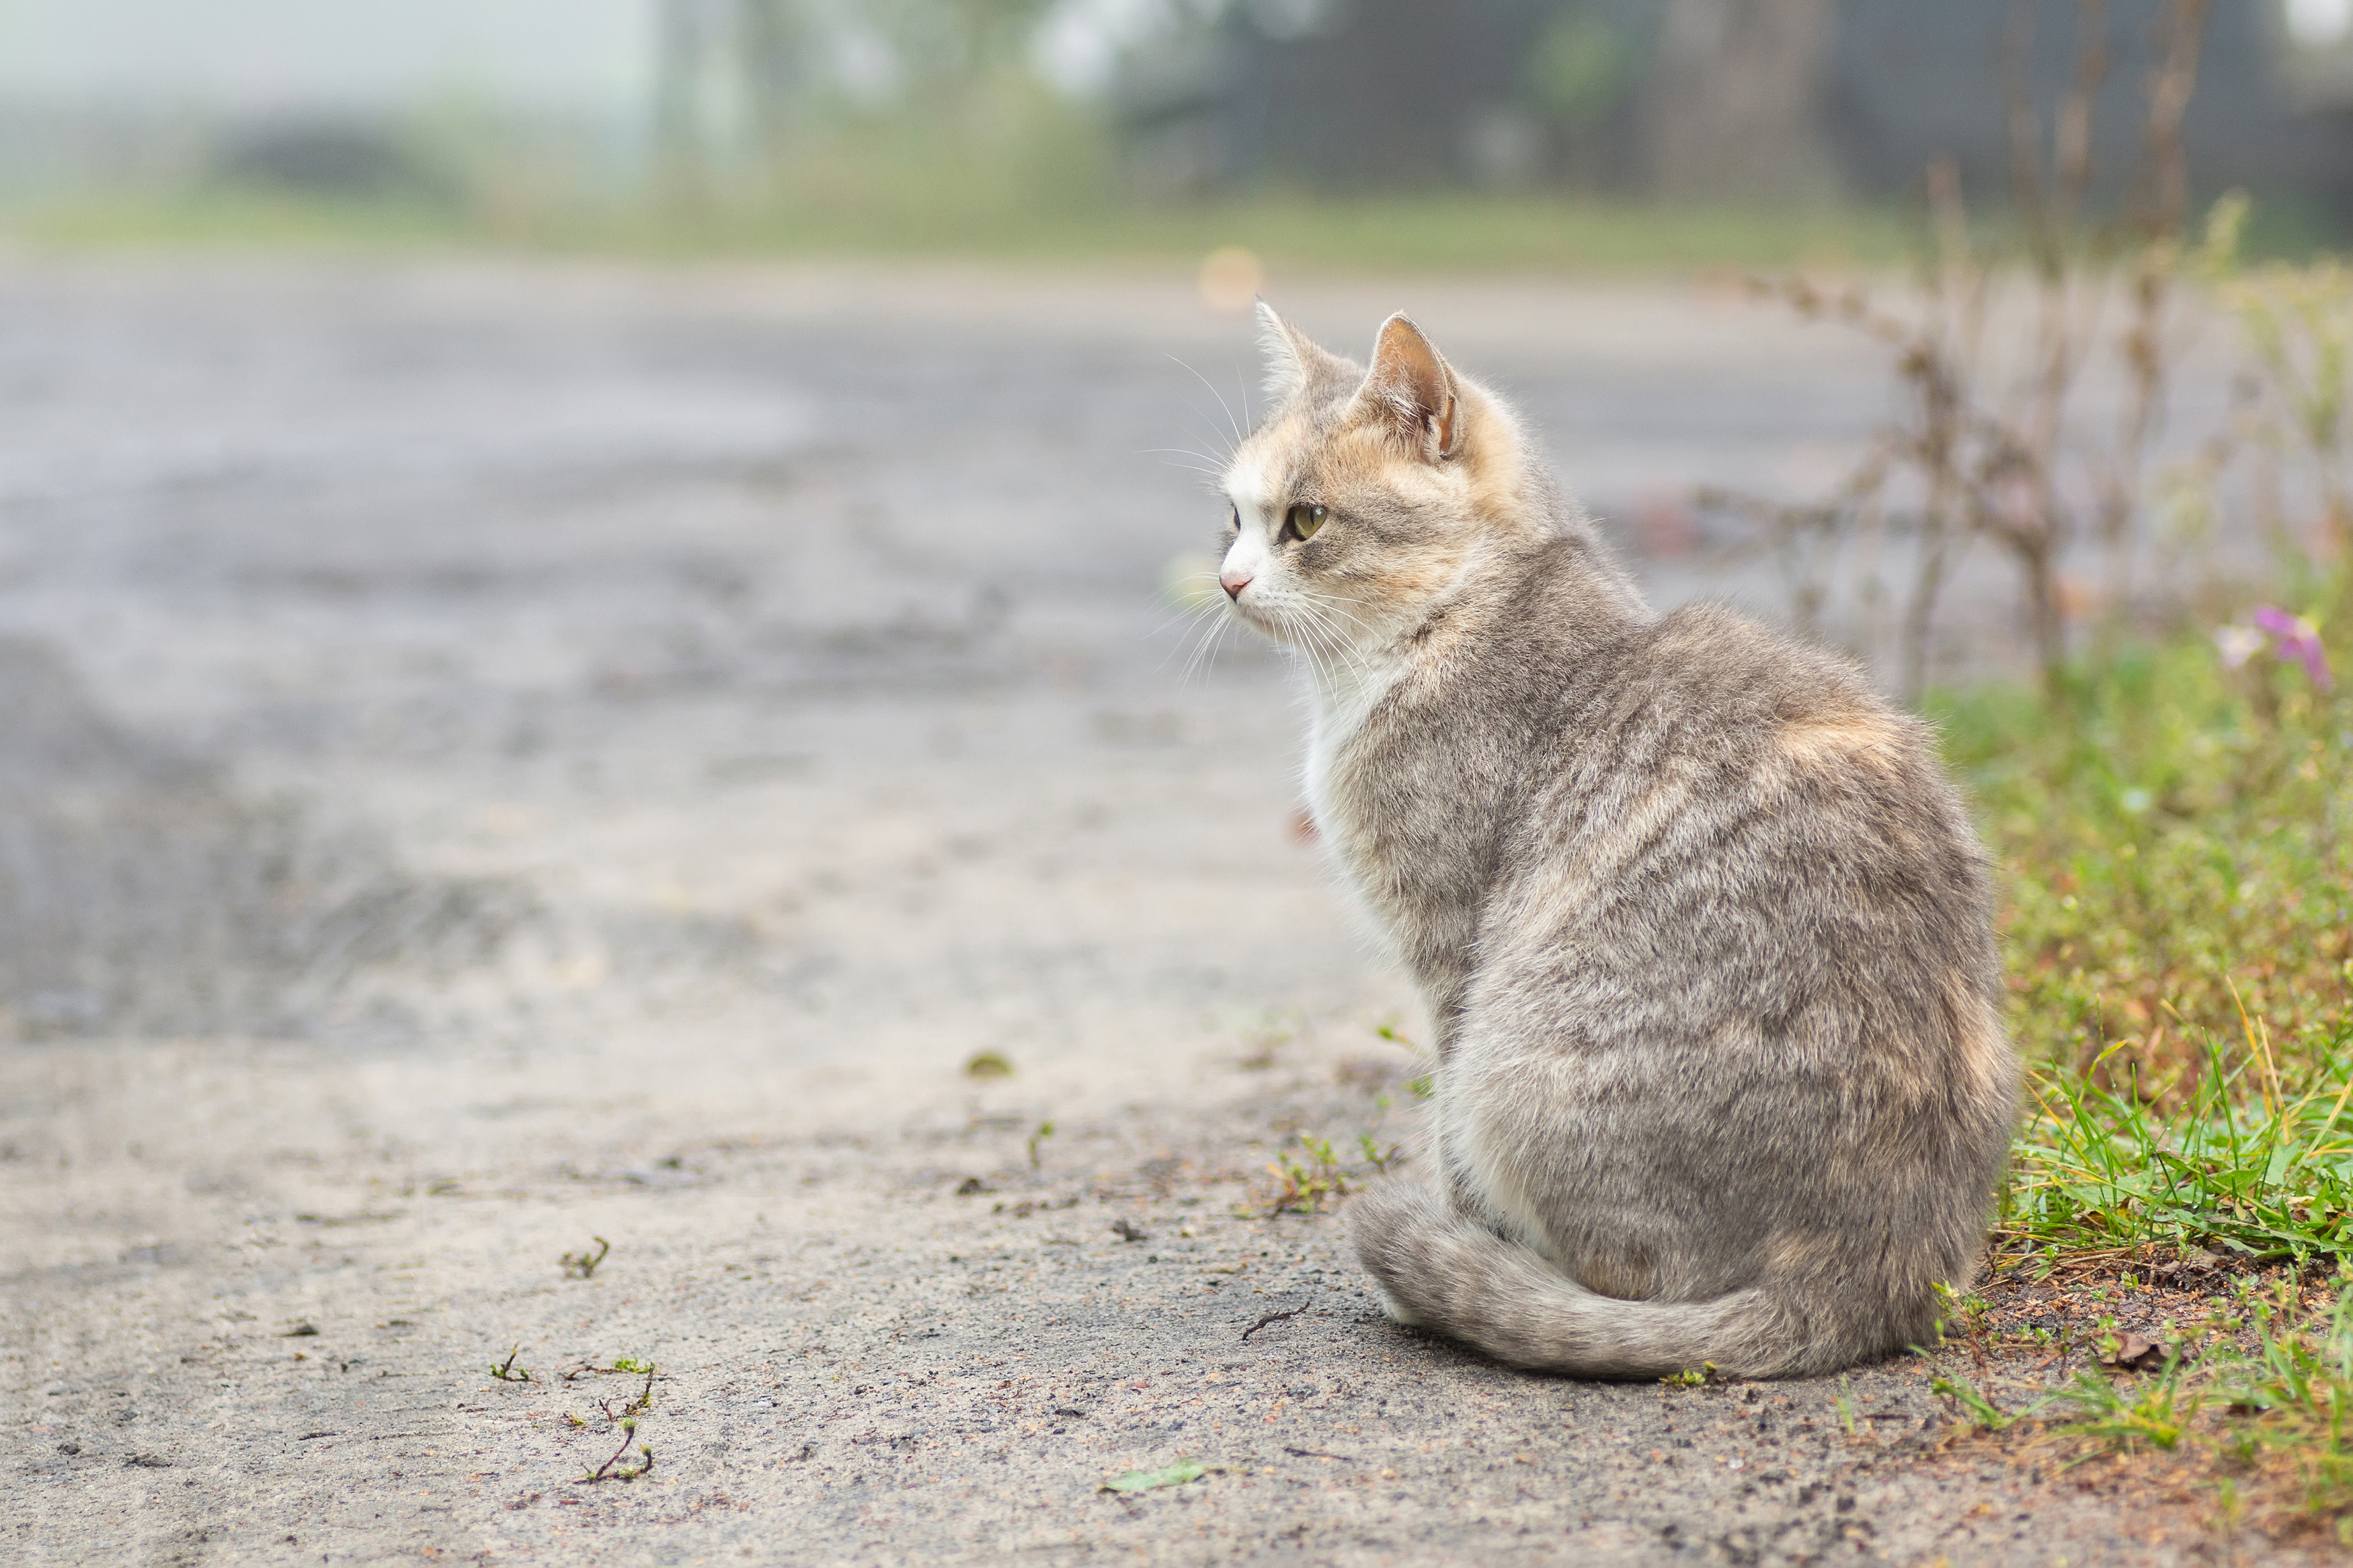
x: 1259, y: 623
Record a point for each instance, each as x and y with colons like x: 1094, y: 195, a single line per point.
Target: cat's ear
x: 1411, y: 387
x: 1286, y: 357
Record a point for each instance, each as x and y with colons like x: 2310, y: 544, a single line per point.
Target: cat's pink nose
x: 1233, y: 582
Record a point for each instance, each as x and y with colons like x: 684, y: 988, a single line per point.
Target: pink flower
x: 2294, y: 638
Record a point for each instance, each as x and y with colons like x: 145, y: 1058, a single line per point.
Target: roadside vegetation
x: 2169, y: 798
x: 2172, y: 815
x: 1292, y: 234
x: 2173, y: 826
x: 2176, y: 842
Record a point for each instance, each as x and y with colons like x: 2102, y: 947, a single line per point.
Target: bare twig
x: 625, y: 1418
x: 2165, y: 202
x: 1965, y: 460
x: 2166, y: 168
x: 1273, y: 1317
x: 605, y: 1472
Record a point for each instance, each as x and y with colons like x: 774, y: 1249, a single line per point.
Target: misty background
x: 1097, y: 124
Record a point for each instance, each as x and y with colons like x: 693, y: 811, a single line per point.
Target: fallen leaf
x: 1175, y: 1475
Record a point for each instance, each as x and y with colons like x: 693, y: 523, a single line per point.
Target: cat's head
x: 1366, y: 498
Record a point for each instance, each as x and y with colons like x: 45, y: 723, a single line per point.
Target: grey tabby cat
x: 1704, y: 933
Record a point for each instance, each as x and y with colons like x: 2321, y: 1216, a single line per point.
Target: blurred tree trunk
x: 686, y: 32
x: 1735, y: 102
x: 773, y: 45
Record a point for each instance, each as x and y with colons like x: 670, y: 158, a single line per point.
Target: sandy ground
x: 499, y: 757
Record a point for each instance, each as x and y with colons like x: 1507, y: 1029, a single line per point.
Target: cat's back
x: 1715, y: 799
x: 1707, y: 702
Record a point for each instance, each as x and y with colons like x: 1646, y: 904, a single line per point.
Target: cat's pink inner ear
x: 1410, y: 381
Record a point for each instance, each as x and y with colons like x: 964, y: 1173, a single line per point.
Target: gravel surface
x: 506, y: 762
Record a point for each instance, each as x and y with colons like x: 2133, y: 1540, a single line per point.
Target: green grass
x: 2129, y: 1412
x: 998, y: 167
x: 2176, y: 843
x: 1440, y: 233
x: 2292, y: 1396
x: 236, y: 219
x: 2238, y: 1166
x: 2173, y: 839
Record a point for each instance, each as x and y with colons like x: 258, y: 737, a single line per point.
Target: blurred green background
x: 1344, y: 135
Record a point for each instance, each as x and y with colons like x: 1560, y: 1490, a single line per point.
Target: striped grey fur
x: 1704, y: 933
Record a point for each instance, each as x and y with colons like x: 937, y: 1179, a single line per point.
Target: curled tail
x: 1440, y: 1271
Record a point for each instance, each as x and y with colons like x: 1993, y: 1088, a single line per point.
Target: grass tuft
x: 2118, y: 1415
x: 2241, y: 1163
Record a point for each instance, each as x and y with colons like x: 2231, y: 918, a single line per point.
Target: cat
x: 1704, y: 933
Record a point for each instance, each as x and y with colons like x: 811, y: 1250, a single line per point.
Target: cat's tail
x: 1440, y: 1271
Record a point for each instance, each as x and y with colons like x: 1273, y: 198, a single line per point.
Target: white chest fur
x: 1342, y: 698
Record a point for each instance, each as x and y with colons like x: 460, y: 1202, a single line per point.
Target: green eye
x: 1303, y: 521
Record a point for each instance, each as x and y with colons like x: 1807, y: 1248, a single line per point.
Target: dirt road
x: 507, y: 761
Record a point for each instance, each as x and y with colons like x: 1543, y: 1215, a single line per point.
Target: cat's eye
x: 1233, y: 517
x: 1302, y: 520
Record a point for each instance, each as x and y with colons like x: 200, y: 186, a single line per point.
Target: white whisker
x: 1201, y: 459
x: 1240, y: 433
x: 1198, y: 610
x: 1203, y: 656
x: 1210, y: 477
x: 1196, y: 636
x: 1315, y: 641
x: 1215, y: 642
x: 1339, y: 655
